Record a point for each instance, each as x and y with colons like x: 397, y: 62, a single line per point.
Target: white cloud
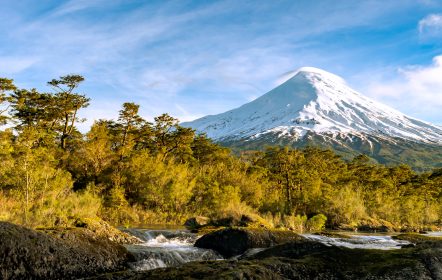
x: 431, y: 24
x: 415, y: 90
x: 159, y: 55
x: 12, y: 65
x: 74, y: 6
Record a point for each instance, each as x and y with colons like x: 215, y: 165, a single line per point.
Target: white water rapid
x: 165, y: 248
x: 380, y: 242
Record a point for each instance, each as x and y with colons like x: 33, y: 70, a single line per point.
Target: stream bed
x: 173, y: 247
x: 165, y: 248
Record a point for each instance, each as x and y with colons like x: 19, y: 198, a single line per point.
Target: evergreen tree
x: 66, y: 104
x: 5, y: 86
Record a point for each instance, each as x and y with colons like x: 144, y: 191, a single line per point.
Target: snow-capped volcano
x: 314, y: 101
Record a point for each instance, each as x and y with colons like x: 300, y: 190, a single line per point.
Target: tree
x: 286, y: 170
x: 207, y: 152
x: 92, y: 157
x: 35, y: 172
x: 32, y: 109
x: 172, y: 139
x: 5, y: 86
x: 128, y: 124
x: 66, y: 104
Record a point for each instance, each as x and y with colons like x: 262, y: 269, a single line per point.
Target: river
x: 174, y: 246
x: 166, y: 247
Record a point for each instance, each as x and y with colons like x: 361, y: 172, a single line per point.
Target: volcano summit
x: 315, y: 107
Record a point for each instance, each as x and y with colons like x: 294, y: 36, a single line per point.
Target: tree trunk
x: 27, y: 193
x: 288, y: 195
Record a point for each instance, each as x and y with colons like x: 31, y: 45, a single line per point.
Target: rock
x: 419, y: 262
x: 196, y: 222
x: 231, y: 242
x: 375, y: 225
x: 204, y: 225
x: 306, y: 259
x: 332, y: 234
x: 418, y: 238
x: 294, y: 250
x: 371, y: 228
x: 102, y: 229
x: 240, y: 221
x: 67, y: 254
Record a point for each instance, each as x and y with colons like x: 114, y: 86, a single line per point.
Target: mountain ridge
x: 316, y: 102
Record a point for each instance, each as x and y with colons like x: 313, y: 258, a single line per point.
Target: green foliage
x: 422, y: 157
x: 316, y: 223
x: 5, y: 86
x: 131, y: 171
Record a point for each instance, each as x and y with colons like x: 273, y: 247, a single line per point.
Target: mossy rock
x: 63, y: 254
x: 375, y: 225
x: 250, y: 221
x: 197, y: 222
x: 332, y: 234
x: 206, y: 230
x: 229, y: 221
x: 105, y: 230
x: 417, y: 238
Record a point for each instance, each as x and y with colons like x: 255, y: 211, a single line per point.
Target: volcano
x: 315, y: 107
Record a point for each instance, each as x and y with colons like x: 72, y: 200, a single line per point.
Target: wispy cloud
x: 431, y: 24
x: 10, y: 65
x: 417, y: 90
x: 192, y: 58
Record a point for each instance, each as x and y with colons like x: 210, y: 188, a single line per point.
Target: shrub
x: 316, y: 223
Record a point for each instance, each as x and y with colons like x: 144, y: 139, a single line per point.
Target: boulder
x: 254, y: 221
x: 196, y: 222
x: 65, y: 254
x: 231, y: 242
x: 306, y: 259
x: 375, y: 225
x: 102, y: 229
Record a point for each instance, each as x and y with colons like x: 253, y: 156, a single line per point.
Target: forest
x: 130, y: 171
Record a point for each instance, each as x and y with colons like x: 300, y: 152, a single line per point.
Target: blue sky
x: 193, y: 58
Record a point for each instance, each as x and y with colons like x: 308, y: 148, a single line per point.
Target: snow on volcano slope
x: 319, y: 102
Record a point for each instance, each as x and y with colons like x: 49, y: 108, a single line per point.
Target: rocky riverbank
x: 62, y: 253
x: 93, y: 249
x: 301, y: 258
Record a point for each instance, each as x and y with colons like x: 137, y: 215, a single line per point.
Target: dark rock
x: 332, y: 234
x: 295, y: 249
x: 239, y: 221
x: 68, y: 254
x: 369, y: 228
x: 196, y: 222
x: 305, y: 259
x: 235, y: 241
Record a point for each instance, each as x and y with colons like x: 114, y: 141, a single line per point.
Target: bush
x: 316, y: 223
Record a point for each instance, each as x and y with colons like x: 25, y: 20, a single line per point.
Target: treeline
x: 131, y: 171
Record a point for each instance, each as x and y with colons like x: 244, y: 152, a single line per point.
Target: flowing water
x: 380, y: 242
x: 173, y: 247
x: 434, y: 233
x: 164, y: 248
